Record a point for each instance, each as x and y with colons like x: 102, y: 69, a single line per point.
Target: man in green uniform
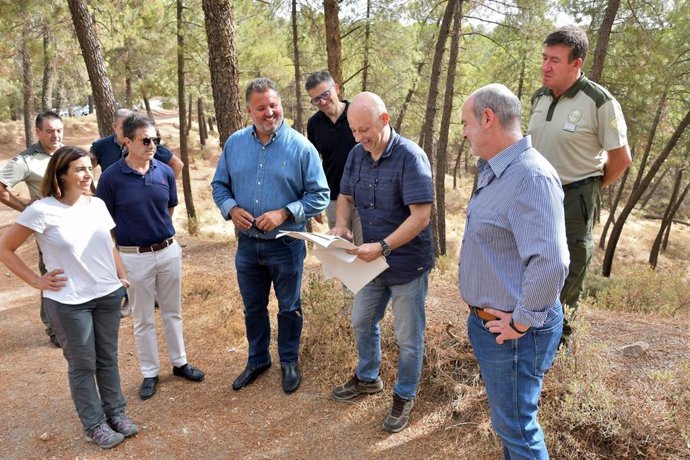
x: 579, y: 127
x: 29, y: 167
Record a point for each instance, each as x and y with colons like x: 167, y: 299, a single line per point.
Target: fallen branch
x: 675, y: 221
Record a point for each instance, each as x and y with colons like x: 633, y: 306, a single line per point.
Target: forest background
x: 423, y: 58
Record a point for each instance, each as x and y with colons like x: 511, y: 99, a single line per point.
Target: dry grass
x: 638, y: 288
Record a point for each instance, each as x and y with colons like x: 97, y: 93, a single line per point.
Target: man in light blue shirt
x: 513, y: 262
x: 269, y: 178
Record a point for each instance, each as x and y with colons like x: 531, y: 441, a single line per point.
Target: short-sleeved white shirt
x: 77, y: 240
x: 29, y: 167
x: 575, y: 131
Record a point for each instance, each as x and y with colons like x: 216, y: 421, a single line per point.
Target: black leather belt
x: 580, y: 183
x: 144, y: 249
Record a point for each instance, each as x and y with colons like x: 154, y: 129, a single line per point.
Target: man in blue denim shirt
x: 269, y: 178
x: 513, y: 262
x: 388, y: 179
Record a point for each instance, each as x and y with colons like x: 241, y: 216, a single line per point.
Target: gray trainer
x: 399, y: 416
x: 123, y: 424
x: 356, y: 387
x: 104, y: 436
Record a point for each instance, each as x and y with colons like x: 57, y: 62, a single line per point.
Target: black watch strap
x: 386, y: 248
x: 512, y: 326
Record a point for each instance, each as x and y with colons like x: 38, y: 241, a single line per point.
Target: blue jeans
x: 260, y: 263
x: 513, y: 374
x: 409, y: 321
x: 88, y: 334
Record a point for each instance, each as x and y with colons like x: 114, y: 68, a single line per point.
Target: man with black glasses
x: 330, y: 133
x: 141, y: 194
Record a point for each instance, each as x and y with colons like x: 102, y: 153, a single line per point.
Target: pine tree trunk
x: 408, y: 98
x: 666, y: 221
x: 201, y: 120
x: 333, y: 43
x: 298, y: 122
x: 219, y: 18
x: 652, y: 191
x: 367, y: 39
x: 637, y: 194
x: 458, y: 158
x: 650, y: 139
x: 672, y: 217
x: 95, y: 66
x: 27, y: 87
x: 442, y: 147
x: 614, y: 207
x: 603, y: 40
x: 48, y: 67
x: 184, y: 129
x: 426, y: 138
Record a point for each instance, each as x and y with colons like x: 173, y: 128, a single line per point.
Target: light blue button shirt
x: 285, y: 172
x: 514, y: 254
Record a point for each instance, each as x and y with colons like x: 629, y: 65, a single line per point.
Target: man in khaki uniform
x: 29, y: 167
x: 579, y: 127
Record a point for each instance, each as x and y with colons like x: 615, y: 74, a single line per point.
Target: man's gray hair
x: 501, y: 101
x: 317, y: 78
x: 121, y: 114
x: 259, y: 85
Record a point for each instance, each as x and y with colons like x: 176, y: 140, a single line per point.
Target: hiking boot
x: 399, y: 416
x: 104, y: 436
x: 356, y: 387
x: 123, y: 425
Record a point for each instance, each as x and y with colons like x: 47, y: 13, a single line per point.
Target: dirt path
x: 208, y: 419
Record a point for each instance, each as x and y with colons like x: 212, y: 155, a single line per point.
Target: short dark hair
x: 58, y: 166
x: 259, y: 85
x: 571, y: 36
x: 47, y: 115
x: 317, y: 78
x: 134, y: 122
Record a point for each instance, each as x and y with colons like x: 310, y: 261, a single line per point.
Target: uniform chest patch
x: 575, y: 115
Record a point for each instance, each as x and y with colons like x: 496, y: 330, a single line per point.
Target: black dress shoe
x: 248, y: 375
x: 189, y: 372
x: 291, y: 377
x: 148, y: 387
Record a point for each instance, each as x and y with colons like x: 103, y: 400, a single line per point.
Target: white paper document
x: 337, y: 262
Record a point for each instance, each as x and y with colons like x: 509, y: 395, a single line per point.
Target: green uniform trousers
x: 580, y: 203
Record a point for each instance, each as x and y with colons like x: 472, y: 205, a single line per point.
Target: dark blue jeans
x: 260, y: 263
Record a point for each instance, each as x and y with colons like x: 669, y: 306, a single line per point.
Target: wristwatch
x: 386, y: 248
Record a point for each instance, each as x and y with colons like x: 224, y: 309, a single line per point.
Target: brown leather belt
x: 144, y: 249
x: 481, y: 314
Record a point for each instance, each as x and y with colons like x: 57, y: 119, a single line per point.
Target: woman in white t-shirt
x: 83, y: 288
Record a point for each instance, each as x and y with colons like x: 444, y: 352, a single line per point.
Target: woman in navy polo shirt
x: 83, y: 288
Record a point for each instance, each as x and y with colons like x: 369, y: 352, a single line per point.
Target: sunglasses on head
x: 148, y: 140
x: 323, y: 97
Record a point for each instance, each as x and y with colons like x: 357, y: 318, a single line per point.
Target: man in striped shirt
x: 513, y: 262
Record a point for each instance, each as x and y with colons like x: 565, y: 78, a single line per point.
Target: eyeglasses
x: 148, y: 140
x: 323, y: 97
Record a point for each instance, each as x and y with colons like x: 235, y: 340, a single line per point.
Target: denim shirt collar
x: 281, y: 129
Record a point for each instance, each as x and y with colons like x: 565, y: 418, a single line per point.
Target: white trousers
x: 156, y: 276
